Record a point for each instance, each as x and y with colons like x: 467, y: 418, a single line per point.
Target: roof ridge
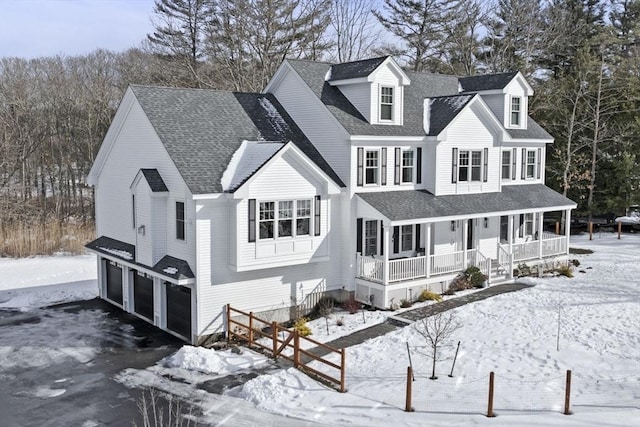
x: 192, y: 89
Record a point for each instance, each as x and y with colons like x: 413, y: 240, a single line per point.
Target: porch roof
x: 420, y: 204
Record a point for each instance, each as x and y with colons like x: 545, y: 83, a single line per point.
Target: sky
x: 35, y: 28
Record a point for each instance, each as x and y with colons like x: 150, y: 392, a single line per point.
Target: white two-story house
x: 348, y: 178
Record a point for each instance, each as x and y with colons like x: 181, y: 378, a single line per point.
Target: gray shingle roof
x: 533, y: 131
x: 407, y: 205
x: 487, y: 81
x: 355, y: 69
x: 201, y: 129
x: 444, y: 109
x: 168, y: 266
x: 422, y: 86
x: 154, y: 180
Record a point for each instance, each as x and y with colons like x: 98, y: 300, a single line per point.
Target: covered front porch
x: 398, y: 253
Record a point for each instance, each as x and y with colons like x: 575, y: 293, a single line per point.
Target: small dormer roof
x: 155, y: 181
x: 355, y: 69
x: 487, y: 82
x: 443, y: 110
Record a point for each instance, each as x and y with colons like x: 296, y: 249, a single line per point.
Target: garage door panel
x: 143, y: 295
x: 179, y: 309
x: 114, y: 282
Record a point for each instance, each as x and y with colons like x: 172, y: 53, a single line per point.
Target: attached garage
x: 178, y: 309
x: 143, y: 295
x: 114, y: 281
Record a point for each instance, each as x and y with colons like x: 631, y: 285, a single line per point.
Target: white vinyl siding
x: 385, y: 77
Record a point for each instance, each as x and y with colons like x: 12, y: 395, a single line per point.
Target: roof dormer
x: 507, y: 94
x: 374, y: 86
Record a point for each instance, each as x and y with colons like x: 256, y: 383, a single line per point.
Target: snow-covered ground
x: 514, y: 335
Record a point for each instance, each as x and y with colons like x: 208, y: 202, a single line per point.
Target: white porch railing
x: 552, y: 245
x: 447, y: 263
x: 407, y: 268
x: 370, y: 268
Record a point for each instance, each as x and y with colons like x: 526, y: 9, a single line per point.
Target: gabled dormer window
x: 386, y: 103
x: 516, y: 111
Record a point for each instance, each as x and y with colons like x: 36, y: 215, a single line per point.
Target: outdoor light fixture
x: 486, y: 223
x: 453, y: 226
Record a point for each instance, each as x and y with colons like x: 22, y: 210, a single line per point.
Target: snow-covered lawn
x: 514, y: 335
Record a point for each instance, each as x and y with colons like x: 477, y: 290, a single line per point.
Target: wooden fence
x: 252, y: 331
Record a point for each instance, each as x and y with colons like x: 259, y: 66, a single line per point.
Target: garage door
x: 143, y: 295
x: 179, y: 309
x: 114, y: 282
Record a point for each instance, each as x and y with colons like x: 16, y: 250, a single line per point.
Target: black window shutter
x: 396, y: 239
x: 419, y: 165
x: 381, y: 239
x: 418, y: 238
x: 485, y: 169
x: 539, y: 163
x: 454, y: 169
x: 521, y: 233
x: 524, y: 163
x: 360, y: 160
x: 398, y: 159
x: 359, y: 235
x: 316, y: 214
x: 252, y: 220
x: 514, y: 153
x: 383, y: 162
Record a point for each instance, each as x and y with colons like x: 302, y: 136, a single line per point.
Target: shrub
x: 427, y: 295
x: 523, y: 270
x: 325, y: 306
x: 405, y: 303
x: 475, y: 277
x: 565, y: 270
x: 351, y: 305
x: 301, y: 326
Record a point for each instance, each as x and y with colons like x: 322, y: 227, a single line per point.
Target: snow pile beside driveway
x: 213, y: 362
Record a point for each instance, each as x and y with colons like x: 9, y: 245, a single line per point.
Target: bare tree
x: 353, y: 30
x: 437, y: 330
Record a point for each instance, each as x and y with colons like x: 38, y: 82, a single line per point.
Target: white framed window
x: 506, y: 165
x: 470, y: 166
x: 371, y: 167
x: 528, y: 224
x: 406, y: 237
x: 282, y: 219
x: 180, y: 221
x: 531, y: 164
x: 370, y: 238
x: 407, y: 166
x: 386, y: 103
x: 516, y: 110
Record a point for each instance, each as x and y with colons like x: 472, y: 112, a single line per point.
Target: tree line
x: 581, y: 56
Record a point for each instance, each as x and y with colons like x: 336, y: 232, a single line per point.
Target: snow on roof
x: 246, y: 161
x: 117, y: 252
x: 278, y: 122
x: 170, y: 270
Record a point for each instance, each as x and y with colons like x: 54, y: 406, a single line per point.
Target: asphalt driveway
x: 57, y: 364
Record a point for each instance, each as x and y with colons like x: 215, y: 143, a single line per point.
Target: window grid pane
x: 506, y: 164
x: 407, y: 166
x: 371, y: 167
x: 407, y: 237
x: 531, y: 164
x: 303, y: 217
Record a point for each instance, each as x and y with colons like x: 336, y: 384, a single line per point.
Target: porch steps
x: 497, y: 273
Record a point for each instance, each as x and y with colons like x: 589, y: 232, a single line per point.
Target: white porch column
x: 386, y: 246
x: 427, y: 249
x: 539, y: 227
x: 465, y: 234
x: 567, y: 228
x: 510, y: 239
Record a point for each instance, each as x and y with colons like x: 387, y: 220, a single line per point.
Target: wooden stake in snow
x: 567, y: 394
x: 407, y: 407
x: 490, y: 413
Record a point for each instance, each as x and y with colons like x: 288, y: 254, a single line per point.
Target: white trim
x: 493, y: 121
x: 349, y: 81
x: 390, y: 139
x: 211, y: 196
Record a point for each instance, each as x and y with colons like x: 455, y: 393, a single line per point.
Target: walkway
x: 405, y: 318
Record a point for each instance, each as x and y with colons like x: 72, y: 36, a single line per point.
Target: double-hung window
x: 371, y: 164
x: 386, y: 103
x: 531, y: 164
x: 528, y: 224
x: 282, y: 219
x: 406, y: 237
x: 370, y: 238
x: 470, y: 166
x: 180, y: 220
x: 407, y: 166
x: 506, y: 164
x: 516, y: 109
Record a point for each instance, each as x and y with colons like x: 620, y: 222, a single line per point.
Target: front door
x: 470, y: 231
x: 504, y: 229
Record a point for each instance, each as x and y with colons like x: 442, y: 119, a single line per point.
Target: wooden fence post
x: 490, y: 413
x: 619, y: 229
x: 274, y: 338
x: 590, y: 230
x: 342, y: 370
x: 407, y: 406
x: 567, y: 394
x: 557, y: 228
x: 296, y: 348
x: 250, y: 329
x: 228, y: 322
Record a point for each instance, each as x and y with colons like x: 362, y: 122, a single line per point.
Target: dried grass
x: 22, y: 240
